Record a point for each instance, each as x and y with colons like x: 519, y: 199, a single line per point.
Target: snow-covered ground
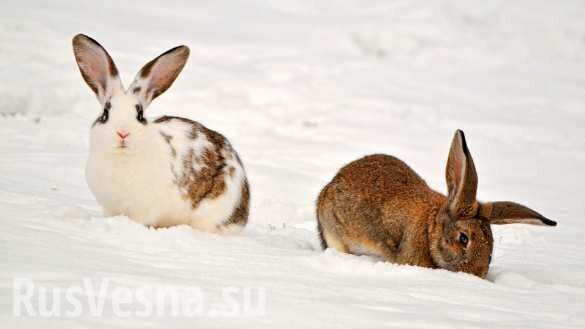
x: 301, y: 88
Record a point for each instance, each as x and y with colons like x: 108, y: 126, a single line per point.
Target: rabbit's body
x: 392, y: 225
x: 200, y: 180
x: 379, y: 206
x: 164, y: 172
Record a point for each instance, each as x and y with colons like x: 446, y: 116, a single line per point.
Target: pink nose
x: 122, y: 133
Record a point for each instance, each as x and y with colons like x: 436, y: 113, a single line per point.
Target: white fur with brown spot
x: 138, y: 177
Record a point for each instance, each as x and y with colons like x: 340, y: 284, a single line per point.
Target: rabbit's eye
x: 104, y: 117
x: 140, y: 114
x: 463, y: 239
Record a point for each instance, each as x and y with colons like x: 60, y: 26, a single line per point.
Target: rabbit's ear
x: 506, y: 212
x: 461, y: 178
x: 97, y: 67
x: 159, y: 74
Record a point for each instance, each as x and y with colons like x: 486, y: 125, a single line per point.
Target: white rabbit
x: 162, y: 172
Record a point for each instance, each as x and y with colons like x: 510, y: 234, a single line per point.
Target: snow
x: 301, y: 88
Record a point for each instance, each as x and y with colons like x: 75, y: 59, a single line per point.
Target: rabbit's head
x: 460, y: 235
x: 121, y: 126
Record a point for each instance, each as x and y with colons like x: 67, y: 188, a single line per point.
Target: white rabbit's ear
x: 159, y: 74
x: 461, y: 178
x: 97, y: 67
x: 506, y: 212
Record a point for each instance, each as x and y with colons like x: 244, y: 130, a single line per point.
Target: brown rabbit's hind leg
x: 329, y: 239
x: 333, y: 241
x: 368, y: 247
x: 352, y: 241
x: 322, y: 240
x: 326, y: 221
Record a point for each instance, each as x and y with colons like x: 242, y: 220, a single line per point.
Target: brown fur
x: 240, y: 214
x: 209, y: 182
x: 378, y: 205
x: 382, y: 221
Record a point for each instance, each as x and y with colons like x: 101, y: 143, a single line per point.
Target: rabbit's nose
x: 122, y: 133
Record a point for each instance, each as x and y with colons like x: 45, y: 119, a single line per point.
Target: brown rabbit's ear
x: 159, y: 74
x: 505, y: 212
x: 461, y: 178
x: 97, y: 67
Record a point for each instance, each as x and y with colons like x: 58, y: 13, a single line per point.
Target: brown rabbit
x: 379, y: 206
